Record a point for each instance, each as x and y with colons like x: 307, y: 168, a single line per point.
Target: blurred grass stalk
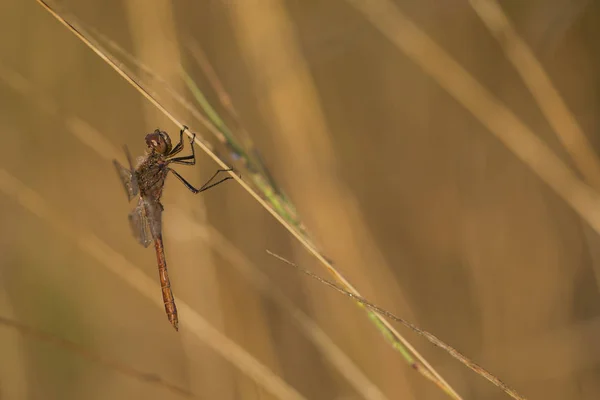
x: 279, y: 202
x: 13, y: 352
x: 485, y: 107
x: 27, y: 331
x: 133, y: 276
x: 399, y: 343
x: 549, y: 100
x: 88, y: 136
x: 280, y: 206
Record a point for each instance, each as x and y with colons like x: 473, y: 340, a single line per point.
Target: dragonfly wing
x: 128, y: 176
x: 154, y: 215
x: 140, y: 225
x: 128, y: 180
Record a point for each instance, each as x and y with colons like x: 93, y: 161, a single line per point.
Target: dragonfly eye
x: 159, y: 141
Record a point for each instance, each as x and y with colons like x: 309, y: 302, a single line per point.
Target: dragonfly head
x: 159, y: 142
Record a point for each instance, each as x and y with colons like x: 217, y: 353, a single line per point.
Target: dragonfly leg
x: 177, y: 149
x: 204, y: 187
x: 186, y: 160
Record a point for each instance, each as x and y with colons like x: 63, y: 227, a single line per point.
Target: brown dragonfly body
x: 147, y: 180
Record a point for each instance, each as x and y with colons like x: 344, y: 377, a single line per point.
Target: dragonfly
x: 146, y: 181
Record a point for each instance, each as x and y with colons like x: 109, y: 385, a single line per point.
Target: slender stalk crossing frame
x: 375, y: 314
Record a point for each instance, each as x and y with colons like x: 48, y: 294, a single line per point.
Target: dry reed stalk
x: 93, y: 139
x: 291, y: 105
x: 431, y: 338
x: 330, y: 350
x: 27, y: 331
x: 133, y: 276
x: 504, y: 124
x: 492, y: 114
x: 398, y: 342
x: 156, y: 34
x: 539, y: 84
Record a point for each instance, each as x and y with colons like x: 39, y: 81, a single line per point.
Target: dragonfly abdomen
x: 165, y: 284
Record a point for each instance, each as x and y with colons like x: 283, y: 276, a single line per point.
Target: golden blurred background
x: 431, y: 201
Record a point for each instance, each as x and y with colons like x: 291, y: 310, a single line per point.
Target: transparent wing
x: 140, y: 226
x: 154, y: 217
x: 127, y: 177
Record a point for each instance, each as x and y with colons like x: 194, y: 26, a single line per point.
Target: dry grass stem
x: 86, y: 353
x: 292, y: 107
x: 492, y: 114
x: 422, y: 366
x: 93, y: 139
x: 213, y: 79
x: 116, y: 263
x: 330, y: 350
x: 539, y: 84
x: 153, y: 75
x: 431, y: 338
